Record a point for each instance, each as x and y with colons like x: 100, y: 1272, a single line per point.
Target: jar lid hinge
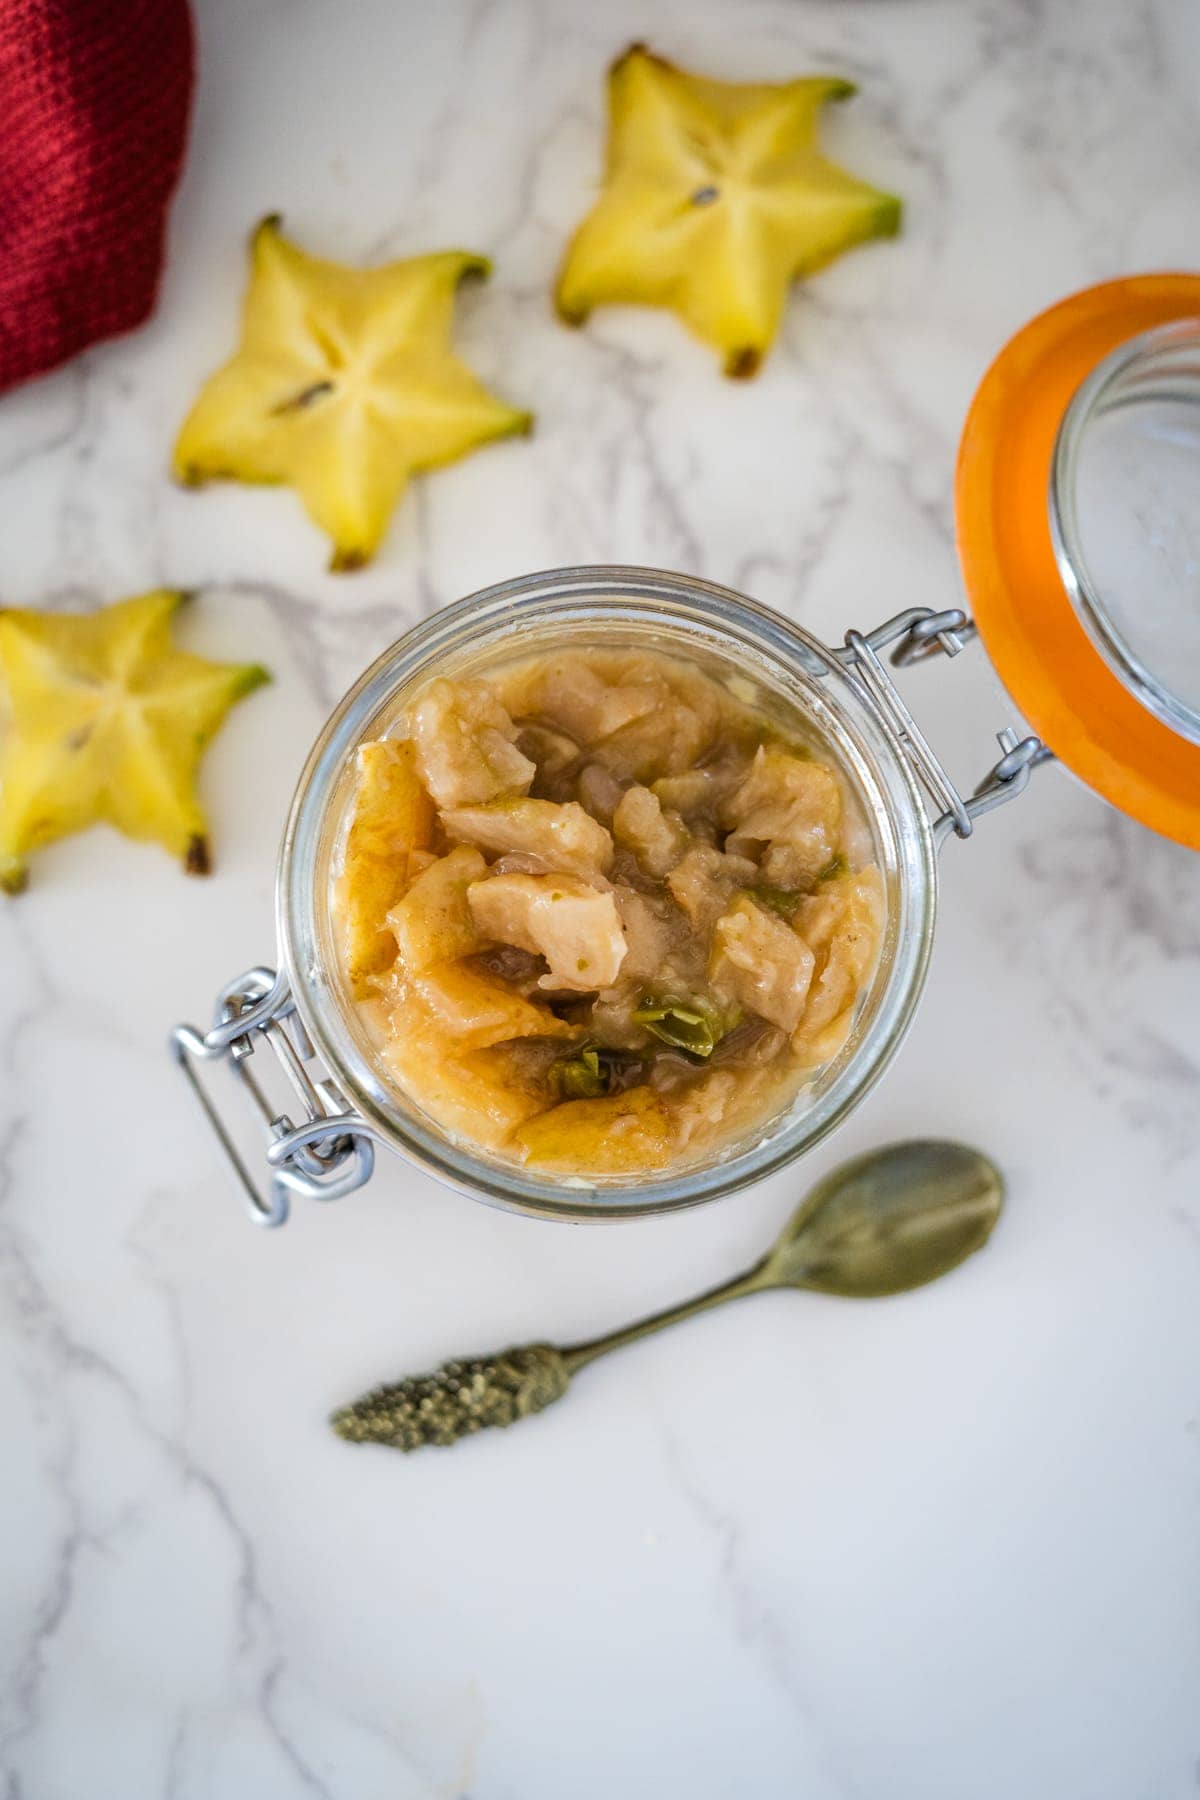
x: 917, y: 634
x: 331, y: 1151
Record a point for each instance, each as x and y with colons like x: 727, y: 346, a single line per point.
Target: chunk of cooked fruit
x: 474, y: 1010
x: 599, y: 792
x: 851, y: 900
x: 721, y: 1103
x: 816, y: 1048
x: 552, y: 751
x: 561, y: 917
x: 842, y: 924
x: 664, y: 742
x: 699, y: 792
x: 705, y: 700
x: 616, y: 1134
x: 466, y: 748
x: 433, y: 922
x: 761, y: 963
x: 562, y: 836
x: 568, y: 691
x: 659, y: 840
x: 481, y: 1094
x: 704, y: 882
x: 789, y: 811
x: 653, y: 930
x: 702, y: 1107
x: 387, y: 844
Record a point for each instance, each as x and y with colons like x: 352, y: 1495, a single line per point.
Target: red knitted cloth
x: 94, y: 100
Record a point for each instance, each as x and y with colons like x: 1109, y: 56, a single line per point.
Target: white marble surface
x: 942, y: 1548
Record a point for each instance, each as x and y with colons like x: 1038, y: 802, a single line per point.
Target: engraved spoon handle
x: 465, y: 1396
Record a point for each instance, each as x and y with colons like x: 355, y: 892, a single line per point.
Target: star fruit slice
x: 344, y: 385
x: 716, y: 198
x: 102, y: 719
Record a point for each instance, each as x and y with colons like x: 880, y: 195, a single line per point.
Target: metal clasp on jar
x: 917, y: 634
x: 331, y: 1151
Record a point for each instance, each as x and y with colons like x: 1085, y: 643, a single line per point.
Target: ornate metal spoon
x: 882, y: 1224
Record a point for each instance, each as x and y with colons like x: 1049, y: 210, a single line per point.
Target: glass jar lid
x: 1078, y: 511
x: 1125, y: 517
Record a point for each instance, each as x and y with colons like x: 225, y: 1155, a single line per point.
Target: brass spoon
x: 883, y: 1224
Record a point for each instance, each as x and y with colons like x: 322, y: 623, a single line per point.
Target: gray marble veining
x: 946, y: 1548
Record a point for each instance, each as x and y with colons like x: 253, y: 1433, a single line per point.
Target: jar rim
x: 1142, y: 363
x: 568, y: 599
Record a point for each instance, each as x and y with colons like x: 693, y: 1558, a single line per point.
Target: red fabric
x: 94, y: 102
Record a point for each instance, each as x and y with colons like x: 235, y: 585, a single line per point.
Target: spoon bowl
x: 890, y: 1221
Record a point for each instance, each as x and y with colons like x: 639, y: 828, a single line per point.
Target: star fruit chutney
x: 603, y: 912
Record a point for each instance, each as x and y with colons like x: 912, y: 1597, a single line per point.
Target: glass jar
x: 1078, y: 514
x: 307, y: 1014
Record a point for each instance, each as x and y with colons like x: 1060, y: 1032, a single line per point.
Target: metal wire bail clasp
x: 331, y: 1152
x: 917, y: 634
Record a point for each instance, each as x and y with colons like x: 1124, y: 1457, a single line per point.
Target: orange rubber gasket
x: 1038, y: 647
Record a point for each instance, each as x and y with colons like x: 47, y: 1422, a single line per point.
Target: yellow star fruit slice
x: 344, y: 385
x: 716, y: 198
x: 103, y: 719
